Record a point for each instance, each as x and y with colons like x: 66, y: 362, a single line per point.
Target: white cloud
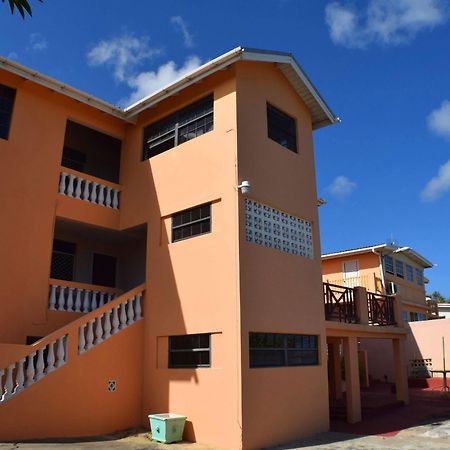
x: 181, y: 25
x: 145, y: 83
x: 439, y: 120
x: 38, y: 42
x: 12, y: 55
x: 386, y: 22
x: 341, y: 187
x: 438, y: 185
x: 124, y: 54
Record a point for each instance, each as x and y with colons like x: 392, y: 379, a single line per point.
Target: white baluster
x: 9, y: 385
x: 70, y: 299
x: 78, y: 300
x: 94, y: 300
x: 50, y: 358
x: 93, y: 197
x: 138, y: 307
x: 78, y: 187
x: 86, y: 303
x: 52, y: 299
x: 108, y: 197
x: 98, y: 330
x: 60, y: 352
x: 115, y: 200
x: 40, y: 364
x: 115, y: 321
x: 130, y: 311
x: 101, y: 195
x: 110, y: 297
x: 102, y: 299
x: 90, y: 335
x: 86, y: 190
x: 107, y: 325
x: 123, y: 316
x: 20, y: 376
x: 61, y: 300
x: 30, y: 370
x: 2, y: 372
x: 81, y: 340
x: 70, y: 185
x: 62, y: 183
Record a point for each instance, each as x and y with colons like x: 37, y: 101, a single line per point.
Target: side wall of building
x: 280, y: 292
x: 192, y: 284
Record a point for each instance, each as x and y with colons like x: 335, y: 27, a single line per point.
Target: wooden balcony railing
x: 339, y: 303
x: 381, y: 309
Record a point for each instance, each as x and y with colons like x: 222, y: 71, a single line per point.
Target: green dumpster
x: 167, y: 427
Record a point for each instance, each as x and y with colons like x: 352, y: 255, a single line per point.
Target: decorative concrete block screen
x: 273, y: 228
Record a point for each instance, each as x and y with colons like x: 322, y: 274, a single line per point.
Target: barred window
x: 191, y: 222
x: 389, y: 264
x: 281, y: 128
x: 279, y: 350
x: 7, y: 97
x: 190, y: 351
x: 63, y: 260
x: 184, y: 125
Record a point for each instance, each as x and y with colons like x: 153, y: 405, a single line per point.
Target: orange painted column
x: 335, y: 368
x: 362, y: 311
x: 353, y: 393
x: 401, y: 374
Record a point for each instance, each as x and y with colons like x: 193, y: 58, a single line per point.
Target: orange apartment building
x: 383, y: 270
x: 166, y: 257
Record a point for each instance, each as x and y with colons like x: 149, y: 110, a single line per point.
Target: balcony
x: 89, y: 177
x: 358, y: 306
x: 351, y: 282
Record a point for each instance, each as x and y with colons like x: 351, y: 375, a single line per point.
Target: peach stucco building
x: 166, y: 257
x: 392, y: 271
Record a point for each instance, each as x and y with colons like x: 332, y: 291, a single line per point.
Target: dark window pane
x: 7, y: 97
x: 62, y: 266
x: 189, y: 350
x: 64, y: 246
x: 266, y: 358
x: 191, y: 222
x: 281, y: 128
x: 179, y: 127
x: 302, y: 357
x: 73, y: 159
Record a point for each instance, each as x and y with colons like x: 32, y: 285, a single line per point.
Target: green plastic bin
x: 167, y: 427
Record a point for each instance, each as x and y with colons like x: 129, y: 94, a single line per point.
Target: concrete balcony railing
x: 72, y: 296
x: 88, y: 188
x: 358, y: 306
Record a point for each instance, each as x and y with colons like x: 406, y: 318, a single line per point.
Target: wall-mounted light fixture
x: 244, y: 187
x: 321, y: 202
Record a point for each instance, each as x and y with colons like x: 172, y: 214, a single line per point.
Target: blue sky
x: 382, y: 65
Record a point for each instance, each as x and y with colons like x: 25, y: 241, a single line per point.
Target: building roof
x: 321, y: 114
x: 384, y: 249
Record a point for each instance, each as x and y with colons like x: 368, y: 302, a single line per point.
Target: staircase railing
x: 54, y: 351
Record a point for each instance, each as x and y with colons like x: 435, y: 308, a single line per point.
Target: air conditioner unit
x: 392, y: 288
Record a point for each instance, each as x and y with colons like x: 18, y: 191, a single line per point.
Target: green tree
x: 22, y: 6
x: 438, y: 297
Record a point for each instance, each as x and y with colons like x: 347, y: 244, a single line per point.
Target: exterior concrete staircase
x: 84, y: 379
